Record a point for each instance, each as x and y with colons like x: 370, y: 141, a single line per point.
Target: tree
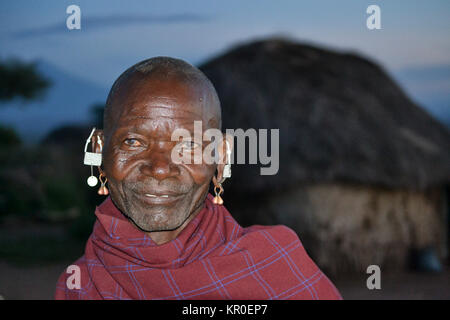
x: 20, y: 79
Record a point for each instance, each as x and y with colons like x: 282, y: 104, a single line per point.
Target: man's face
x: 145, y: 184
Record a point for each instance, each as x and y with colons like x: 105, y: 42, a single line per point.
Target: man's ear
x: 224, y: 145
x: 98, y: 141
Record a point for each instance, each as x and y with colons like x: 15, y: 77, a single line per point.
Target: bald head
x: 178, y: 73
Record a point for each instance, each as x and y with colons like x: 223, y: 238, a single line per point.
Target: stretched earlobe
x: 224, y: 172
x: 98, y: 141
x: 227, y: 168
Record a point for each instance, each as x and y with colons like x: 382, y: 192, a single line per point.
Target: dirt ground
x: 38, y: 282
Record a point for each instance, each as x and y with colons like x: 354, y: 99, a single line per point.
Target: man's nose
x: 159, y: 164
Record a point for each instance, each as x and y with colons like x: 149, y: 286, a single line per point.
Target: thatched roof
x: 341, y: 118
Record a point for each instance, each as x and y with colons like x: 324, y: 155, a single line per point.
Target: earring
x: 92, y: 159
x: 218, y: 199
x: 103, y: 190
x: 92, y: 180
x: 218, y: 189
x: 227, y: 167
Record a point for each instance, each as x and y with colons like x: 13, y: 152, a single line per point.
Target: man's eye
x: 189, y: 145
x: 132, y: 142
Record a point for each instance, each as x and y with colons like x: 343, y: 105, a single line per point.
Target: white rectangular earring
x: 92, y: 159
x: 227, y: 167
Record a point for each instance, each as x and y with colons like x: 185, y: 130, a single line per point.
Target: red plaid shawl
x: 212, y: 258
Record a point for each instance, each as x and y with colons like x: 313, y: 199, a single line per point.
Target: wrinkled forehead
x: 161, y: 97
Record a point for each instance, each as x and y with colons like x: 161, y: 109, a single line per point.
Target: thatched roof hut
x: 362, y: 167
x: 341, y: 117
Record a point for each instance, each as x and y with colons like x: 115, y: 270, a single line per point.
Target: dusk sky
x: 413, y: 40
x: 116, y: 34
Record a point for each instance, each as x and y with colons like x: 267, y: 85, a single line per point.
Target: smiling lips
x: 155, y: 196
x: 160, y: 198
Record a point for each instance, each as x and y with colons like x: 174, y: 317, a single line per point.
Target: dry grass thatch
x: 341, y: 118
x: 346, y: 228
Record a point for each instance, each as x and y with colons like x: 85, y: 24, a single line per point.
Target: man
x: 160, y: 234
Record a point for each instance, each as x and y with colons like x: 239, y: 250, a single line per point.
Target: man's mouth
x: 155, y: 196
x: 160, y: 198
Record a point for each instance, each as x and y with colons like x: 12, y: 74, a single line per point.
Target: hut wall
x: 347, y: 228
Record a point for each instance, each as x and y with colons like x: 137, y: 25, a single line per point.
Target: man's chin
x: 156, y: 225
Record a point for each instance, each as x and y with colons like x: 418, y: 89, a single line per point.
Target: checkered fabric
x: 212, y: 258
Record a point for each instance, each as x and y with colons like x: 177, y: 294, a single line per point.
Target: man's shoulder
x: 277, y: 232
x: 266, y: 238
x: 281, y: 243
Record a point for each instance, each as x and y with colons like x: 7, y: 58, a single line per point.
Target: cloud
x: 96, y: 23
